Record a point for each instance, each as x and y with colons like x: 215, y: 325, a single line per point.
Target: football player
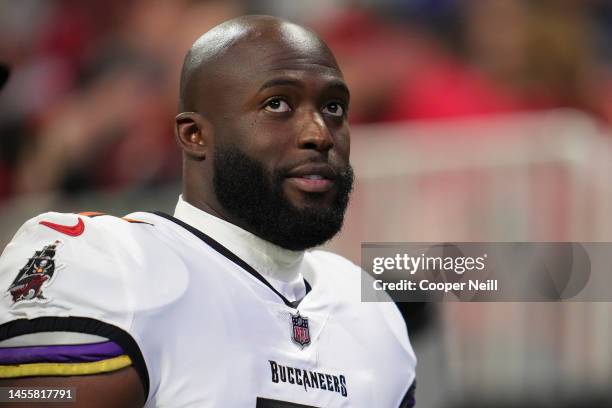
x: 222, y: 304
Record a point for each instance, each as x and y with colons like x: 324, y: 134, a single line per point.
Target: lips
x: 312, y: 177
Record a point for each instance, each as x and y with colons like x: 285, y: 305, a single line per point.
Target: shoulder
x: 87, y: 231
x: 81, y: 228
x: 90, y: 278
x: 61, y: 256
x: 71, y: 276
x: 95, y: 264
x: 342, y: 280
x: 340, y: 277
x: 84, y: 264
x: 334, y: 265
x: 90, y: 240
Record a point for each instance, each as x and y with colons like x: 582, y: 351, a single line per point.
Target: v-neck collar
x: 234, y: 258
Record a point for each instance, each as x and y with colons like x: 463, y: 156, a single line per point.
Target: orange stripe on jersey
x: 91, y: 214
x: 133, y: 221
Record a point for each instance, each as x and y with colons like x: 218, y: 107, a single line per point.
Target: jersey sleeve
x: 64, y: 305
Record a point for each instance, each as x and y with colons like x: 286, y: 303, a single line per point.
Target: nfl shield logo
x: 301, y: 333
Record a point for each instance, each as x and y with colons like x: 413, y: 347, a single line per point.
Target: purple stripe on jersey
x: 60, y: 354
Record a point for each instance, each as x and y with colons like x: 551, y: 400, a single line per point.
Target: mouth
x: 312, y: 178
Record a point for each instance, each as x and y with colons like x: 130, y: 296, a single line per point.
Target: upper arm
x: 116, y: 389
x: 65, y: 314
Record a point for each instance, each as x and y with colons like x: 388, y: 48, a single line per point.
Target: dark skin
x: 119, y: 389
x: 279, y: 96
x: 270, y: 88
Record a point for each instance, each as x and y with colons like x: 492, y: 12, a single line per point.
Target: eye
x: 277, y: 105
x: 334, y: 109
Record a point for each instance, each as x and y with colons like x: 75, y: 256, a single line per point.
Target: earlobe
x: 192, y: 134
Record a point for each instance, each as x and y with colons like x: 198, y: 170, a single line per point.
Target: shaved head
x: 263, y: 125
x: 209, y: 56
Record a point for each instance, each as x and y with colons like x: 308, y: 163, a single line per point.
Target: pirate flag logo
x: 34, y: 276
x: 301, y: 332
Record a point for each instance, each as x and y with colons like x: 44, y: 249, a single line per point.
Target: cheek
x: 262, y: 139
x: 342, y: 144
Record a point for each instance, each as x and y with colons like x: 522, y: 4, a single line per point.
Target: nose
x: 315, y: 133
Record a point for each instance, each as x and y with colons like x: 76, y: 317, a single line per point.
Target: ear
x: 193, y: 134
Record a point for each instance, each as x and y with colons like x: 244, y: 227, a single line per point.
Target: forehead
x: 287, y: 50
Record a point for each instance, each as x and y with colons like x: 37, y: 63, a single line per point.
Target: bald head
x: 243, y: 43
x: 264, y: 131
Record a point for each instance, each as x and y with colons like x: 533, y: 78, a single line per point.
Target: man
x: 220, y: 305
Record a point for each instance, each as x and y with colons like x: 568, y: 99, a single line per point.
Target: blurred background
x: 472, y: 120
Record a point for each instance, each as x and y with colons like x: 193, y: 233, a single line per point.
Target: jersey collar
x: 281, y: 267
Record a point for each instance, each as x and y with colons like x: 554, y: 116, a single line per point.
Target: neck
x: 281, y: 255
x: 205, y: 205
x: 199, y: 192
x: 282, y: 268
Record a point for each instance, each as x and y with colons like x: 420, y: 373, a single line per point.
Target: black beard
x: 256, y: 198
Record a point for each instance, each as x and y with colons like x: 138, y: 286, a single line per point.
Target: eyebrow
x: 333, y: 85
x: 280, y: 82
x: 339, y: 86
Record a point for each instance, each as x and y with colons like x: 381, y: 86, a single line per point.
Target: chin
x: 302, y: 200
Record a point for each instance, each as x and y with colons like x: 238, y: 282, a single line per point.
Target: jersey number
x: 269, y: 403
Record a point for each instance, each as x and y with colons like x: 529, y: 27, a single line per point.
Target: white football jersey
x: 199, y: 324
